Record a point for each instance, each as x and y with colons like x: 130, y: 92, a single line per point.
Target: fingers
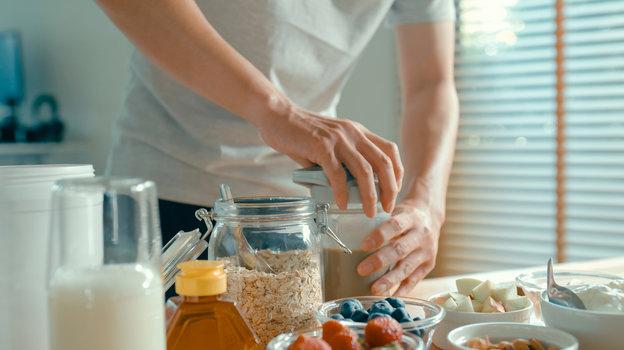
x: 332, y: 142
x: 366, y: 154
x: 391, y: 150
x: 387, y: 230
x: 412, y: 245
x: 338, y: 180
x: 412, y: 280
x: 400, y: 272
x: 363, y: 173
x: 397, y: 249
x: 383, y: 165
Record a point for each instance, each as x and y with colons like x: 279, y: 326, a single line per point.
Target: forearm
x: 176, y: 36
x: 428, y: 132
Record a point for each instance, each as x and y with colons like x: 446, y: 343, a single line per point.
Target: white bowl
x: 534, y: 283
x: 509, y: 331
x: 594, y: 330
x: 455, y: 319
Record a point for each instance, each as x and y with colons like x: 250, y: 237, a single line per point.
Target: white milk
x: 116, y: 307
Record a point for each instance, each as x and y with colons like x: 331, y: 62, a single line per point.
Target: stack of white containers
x: 25, y: 203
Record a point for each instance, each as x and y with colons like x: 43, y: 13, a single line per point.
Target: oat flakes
x: 277, y: 303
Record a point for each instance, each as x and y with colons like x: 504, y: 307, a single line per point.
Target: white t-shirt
x: 306, y: 48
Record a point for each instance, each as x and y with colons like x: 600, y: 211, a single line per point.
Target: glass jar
x: 340, y: 277
x: 104, y: 289
x: 283, y: 231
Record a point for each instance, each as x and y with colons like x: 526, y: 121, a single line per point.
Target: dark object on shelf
x: 11, y: 83
x: 8, y: 129
x: 47, y: 130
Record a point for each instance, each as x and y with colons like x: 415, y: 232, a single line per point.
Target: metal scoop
x: 246, y: 254
x: 559, y: 294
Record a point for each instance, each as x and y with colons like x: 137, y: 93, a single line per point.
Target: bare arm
x: 430, y: 110
x: 176, y: 36
x: 428, y: 132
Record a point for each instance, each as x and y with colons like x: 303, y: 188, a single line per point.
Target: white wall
x: 74, y: 52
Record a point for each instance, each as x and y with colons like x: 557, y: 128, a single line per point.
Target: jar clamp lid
x: 315, y: 179
x: 184, y: 246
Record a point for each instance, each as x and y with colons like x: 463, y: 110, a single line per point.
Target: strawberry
x: 331, y: 328
x: 339, y: 336
x: 347, y: 339
x: 382, y: 331
x: 305, y: 342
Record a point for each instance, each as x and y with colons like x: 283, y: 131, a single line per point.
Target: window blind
x: 594, y: 104
x: 502, y: 196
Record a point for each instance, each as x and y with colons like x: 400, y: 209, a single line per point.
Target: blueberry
x: 376, y: 315
x: 337, y: 317
x: 349, y: 306
x: 401, y: 315
x: 356, y: 302
x: 360, y: 316
x: 395, y: 302
x: 382, y: 307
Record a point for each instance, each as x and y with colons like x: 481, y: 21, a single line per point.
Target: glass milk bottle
x: 340, y: 277
x: 105, y: 290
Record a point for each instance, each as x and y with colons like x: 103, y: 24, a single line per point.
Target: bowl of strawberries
x: 379, y: 333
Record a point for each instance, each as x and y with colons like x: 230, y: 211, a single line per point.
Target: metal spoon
x: 246, y: 253
x: 561, y: 295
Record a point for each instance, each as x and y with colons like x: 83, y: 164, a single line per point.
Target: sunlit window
x: 503, y: 193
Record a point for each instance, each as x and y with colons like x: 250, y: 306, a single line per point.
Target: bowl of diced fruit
x: 416, y: 316
x: 382, y: 333
x: 477, y: 301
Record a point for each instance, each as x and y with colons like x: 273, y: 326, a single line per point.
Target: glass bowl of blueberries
x: 417, y: 316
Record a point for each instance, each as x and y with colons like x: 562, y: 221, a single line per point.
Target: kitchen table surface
x: 432, y: 286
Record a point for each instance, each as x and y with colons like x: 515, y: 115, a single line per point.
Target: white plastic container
x: 25, y: 193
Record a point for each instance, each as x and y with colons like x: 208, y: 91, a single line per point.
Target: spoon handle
x: 550, y: 278
x: 226, y: 193
x: 559, y: 294
x: 247, y: 255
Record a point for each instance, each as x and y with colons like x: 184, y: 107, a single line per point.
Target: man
x: 240, y: 92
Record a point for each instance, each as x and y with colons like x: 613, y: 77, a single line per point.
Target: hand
x: 311, y: 139
x: 413, y: 233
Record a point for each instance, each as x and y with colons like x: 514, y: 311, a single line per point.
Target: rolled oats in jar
x: 283, y: 232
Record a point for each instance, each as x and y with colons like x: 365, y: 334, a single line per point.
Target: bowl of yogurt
x: 533, y: 283
x: 600, y: 326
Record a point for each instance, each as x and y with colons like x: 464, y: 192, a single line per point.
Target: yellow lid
x: 200, y: 278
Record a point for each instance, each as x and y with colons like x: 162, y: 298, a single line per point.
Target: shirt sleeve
x: 417, y: 11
